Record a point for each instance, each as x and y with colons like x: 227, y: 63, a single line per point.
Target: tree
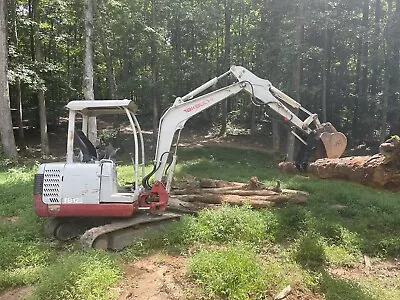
x: 154, y: 70
x: 298, y: 39
x: 87, y: 86
x: 227, y: 54
x: 6, y: 128
x: 44, y: 138
x: 14, y: 40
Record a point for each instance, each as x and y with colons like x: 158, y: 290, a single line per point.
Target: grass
x: 235, y: 253
x: 57, y: 271
x: 234, y: 273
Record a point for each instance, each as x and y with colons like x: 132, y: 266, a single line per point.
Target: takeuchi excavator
x: 82, y: 197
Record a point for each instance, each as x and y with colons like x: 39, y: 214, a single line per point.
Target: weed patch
x: 78, y: 276
x: 234, y: 273
x: 227, y: 224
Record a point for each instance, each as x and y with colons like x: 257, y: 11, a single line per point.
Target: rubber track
x: 90, y: 236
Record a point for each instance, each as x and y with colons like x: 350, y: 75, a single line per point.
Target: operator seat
x: 88, y: 150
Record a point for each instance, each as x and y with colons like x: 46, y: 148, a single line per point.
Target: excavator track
x: 119, y: 234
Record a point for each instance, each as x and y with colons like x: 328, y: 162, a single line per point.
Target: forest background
x: 340, y: 59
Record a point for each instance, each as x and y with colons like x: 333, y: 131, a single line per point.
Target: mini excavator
x: 82, y: 196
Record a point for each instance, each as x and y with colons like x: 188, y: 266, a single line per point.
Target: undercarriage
x: 107, y: 233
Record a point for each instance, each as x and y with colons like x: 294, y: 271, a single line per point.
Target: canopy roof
x: 101, y: 107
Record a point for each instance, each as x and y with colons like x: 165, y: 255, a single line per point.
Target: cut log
x: 212, y: 193
x: 374, y: 171
x: 235, y: 191
x: 215, y: 183
x: 253, y: 200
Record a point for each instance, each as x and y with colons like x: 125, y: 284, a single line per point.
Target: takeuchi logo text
x: 196, y: 106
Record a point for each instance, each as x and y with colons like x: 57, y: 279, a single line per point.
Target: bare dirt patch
x: 8, y: 219
x: 385, y: 273
x: 159, y: 276
x: 16, y: 293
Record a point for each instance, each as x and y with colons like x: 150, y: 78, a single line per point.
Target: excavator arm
x: 261, y: 90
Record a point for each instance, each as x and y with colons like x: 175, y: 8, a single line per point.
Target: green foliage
x: 310, y: 252
x: 292, y: 244
x: 337, y: 289
x: 228, y: 224
x: 234, y: 273
x: 78, y: 276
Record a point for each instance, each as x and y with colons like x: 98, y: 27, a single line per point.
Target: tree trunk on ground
x: 6, y: 128
x: 296, y: 69
x: 211, y: 192
x: 380, y: 170
x: 87, y: 86
x: 44, y: 137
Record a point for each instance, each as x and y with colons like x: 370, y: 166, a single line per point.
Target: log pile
x: 381, y: 170
x: 209, y: 193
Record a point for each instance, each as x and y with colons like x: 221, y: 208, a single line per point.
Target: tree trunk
x: 326, y: 64
x: 14, y: 39
x: 296, y: 69
x: 376, y: 46
x: 6, y: 128
x: 44, y: 137
x: 227, y: 54
x: 386, y: 79
x: 271, y: 51
x: 105, y: 45
x: 87, y: 86
x: 396, y: 50
x: 356, y: 112
x: 154, y: 71
x: 364, y: 73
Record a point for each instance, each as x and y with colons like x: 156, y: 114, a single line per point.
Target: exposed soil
x: 385, y: 273
x: 16, y: 293
x: 156, y: 277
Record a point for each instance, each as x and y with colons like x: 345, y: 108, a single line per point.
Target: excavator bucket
x: 334, y: 143
x: 330, y: 142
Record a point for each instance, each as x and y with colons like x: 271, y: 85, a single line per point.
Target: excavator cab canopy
x: 94, y: 108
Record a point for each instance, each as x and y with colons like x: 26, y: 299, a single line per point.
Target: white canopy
x: 101, y: 107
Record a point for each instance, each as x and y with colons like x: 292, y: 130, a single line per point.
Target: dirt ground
x: 161, y: 276
x: 156, y: 277
x: 16, y: 293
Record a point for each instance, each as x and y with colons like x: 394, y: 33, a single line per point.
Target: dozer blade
x: 335, y: 143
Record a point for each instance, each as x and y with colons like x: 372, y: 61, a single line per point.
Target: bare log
x: 254, y: 200
x: 217, y: 192
x: 215, y: 183
x: 374, y: 171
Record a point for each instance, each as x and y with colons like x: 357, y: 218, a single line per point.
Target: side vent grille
x: 38, y: 184
x: 52, y: 185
